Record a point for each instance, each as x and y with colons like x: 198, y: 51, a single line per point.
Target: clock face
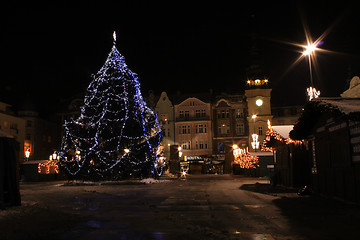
x: 259, y: 102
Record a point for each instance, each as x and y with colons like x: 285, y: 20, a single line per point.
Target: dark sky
x: 51, y: 50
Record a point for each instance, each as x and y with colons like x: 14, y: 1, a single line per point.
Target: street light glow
x: 253, y: 116
x: 309, y: 49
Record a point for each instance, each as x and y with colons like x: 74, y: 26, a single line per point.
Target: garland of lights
x: 271, y: 134
x: 49, y: 167
x: 116, y: 135
x: 244, y: 159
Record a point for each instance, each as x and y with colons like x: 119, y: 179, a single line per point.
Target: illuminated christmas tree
x: 116, y: 135
x: 244, y: 159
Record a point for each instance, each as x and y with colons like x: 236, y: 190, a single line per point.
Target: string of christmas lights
x: 116, y: 135
x: 244, y: 159
x: 49, y: 167
x: 271, y: 134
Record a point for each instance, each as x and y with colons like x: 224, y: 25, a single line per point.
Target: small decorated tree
x: 244, y: 159
x: 116, y: 135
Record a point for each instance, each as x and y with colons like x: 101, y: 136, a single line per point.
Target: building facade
x: 42, y: 136
x: 165, y: 111
x: 13, y: 125
x: 287, y: 115
x: 204, y: 128
x: 229, y: 123
x: 193, y: 126
x: 258, y: 96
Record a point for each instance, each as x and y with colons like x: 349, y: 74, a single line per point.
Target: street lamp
x: 27, y: 153
x: 309, y: 52
x: 254, y: 117
x: 54, y: 155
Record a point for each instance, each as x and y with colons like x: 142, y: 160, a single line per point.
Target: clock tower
x: 258, y: 95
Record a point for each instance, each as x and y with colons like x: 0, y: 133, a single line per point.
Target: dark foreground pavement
x: 200, y: 207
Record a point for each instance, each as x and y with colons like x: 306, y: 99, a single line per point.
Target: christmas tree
x: 116, y: 135
x: 244, y: 159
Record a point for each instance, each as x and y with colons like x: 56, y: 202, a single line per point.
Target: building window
x: 201, y: 145
x: 239, y: 128
x: 239, y: 113
x: 187, y: 115
x: 197, y: 113
x: 183, y: 129
x: 227, y: 113
x: 218, y: 114
x: 181, y: 115
x: 203, y: 113
x: 222, y: 113
x: 260, y: 131
x: 204, y: 128
x: 188, y: 129
x: 186, y: 145
x: 224, y: 129
x: 201, y: 128
x: 168, y: 132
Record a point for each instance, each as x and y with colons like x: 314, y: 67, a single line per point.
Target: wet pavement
x: 198, y: 207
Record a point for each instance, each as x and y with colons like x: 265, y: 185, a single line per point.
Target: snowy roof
x: 345, y: 105
x: 283, y: 130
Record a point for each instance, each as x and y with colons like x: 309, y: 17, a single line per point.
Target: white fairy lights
x: 116, y: 133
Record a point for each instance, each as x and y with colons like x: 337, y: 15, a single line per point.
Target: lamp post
x: 254, y: 117
x: 309, y: 52
x: 255, y: 142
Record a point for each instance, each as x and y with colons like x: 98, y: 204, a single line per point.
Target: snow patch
x: 346, y: 106
x: 152, y: 181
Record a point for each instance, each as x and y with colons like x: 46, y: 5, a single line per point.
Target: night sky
x: 50, y: 51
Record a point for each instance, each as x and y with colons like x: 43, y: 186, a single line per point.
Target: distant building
x: 165, y: 111
x: 193, y: 126
x: 288, y: 115
x: 229, y: 121
x: 258, y: 95
x: 42, y: 136
x: 12, y: 125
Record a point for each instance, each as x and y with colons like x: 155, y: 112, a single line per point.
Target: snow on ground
x: 123, y: 182
x: 152, y: 181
